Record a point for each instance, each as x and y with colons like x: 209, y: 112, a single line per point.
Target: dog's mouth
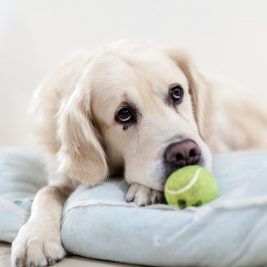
x: 169, y: 169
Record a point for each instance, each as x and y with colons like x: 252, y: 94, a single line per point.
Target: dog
x: 132, y: 109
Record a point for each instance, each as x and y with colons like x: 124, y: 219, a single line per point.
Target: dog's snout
x: 183, y: 153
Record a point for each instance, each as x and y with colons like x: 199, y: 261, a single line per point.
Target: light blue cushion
x: 22, y: 174
x: 98, y: 223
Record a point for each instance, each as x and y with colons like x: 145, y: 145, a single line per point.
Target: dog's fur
x: 75, y: 111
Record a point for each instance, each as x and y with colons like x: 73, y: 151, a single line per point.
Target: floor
x: 69, y: 261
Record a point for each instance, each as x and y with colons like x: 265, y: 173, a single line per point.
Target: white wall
x: 226, y: 37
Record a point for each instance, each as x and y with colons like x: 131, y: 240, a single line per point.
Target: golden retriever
x: 138, y: 109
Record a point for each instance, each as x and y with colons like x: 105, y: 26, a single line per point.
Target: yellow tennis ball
x: 190, y: 186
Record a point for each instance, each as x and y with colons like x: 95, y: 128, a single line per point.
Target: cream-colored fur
x: 74, y: 111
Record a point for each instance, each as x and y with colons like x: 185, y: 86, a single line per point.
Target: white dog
x: 136, y: 109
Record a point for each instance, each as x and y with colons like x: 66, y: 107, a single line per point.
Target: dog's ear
x: 81, y: 155
x: 199, y: 89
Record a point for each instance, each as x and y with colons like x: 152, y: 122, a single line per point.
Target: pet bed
x: 98, y: 223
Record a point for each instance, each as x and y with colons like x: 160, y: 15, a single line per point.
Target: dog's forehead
x: 122, y: 69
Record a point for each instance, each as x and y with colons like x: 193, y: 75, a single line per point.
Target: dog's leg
x: 142, y: 195
x: 38, y: 242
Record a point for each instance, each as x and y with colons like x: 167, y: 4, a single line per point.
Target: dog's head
x: 140, y: 108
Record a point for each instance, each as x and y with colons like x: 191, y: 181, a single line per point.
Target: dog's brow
x: 128, y: 102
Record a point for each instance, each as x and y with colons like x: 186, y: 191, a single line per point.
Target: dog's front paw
x: 36, y: 246
x: 142, y: 195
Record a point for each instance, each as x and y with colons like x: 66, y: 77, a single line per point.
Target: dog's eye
x: 176, y: 93
x: 125, y: 115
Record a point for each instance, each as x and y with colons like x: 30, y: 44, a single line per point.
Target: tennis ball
x: 190, y: 186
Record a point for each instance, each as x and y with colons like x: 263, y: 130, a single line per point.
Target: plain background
x: 227, y: 38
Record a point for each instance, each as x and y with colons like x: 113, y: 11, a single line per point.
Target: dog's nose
x: 183, y: 153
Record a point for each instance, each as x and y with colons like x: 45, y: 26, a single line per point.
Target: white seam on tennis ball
x: 187, y: 187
